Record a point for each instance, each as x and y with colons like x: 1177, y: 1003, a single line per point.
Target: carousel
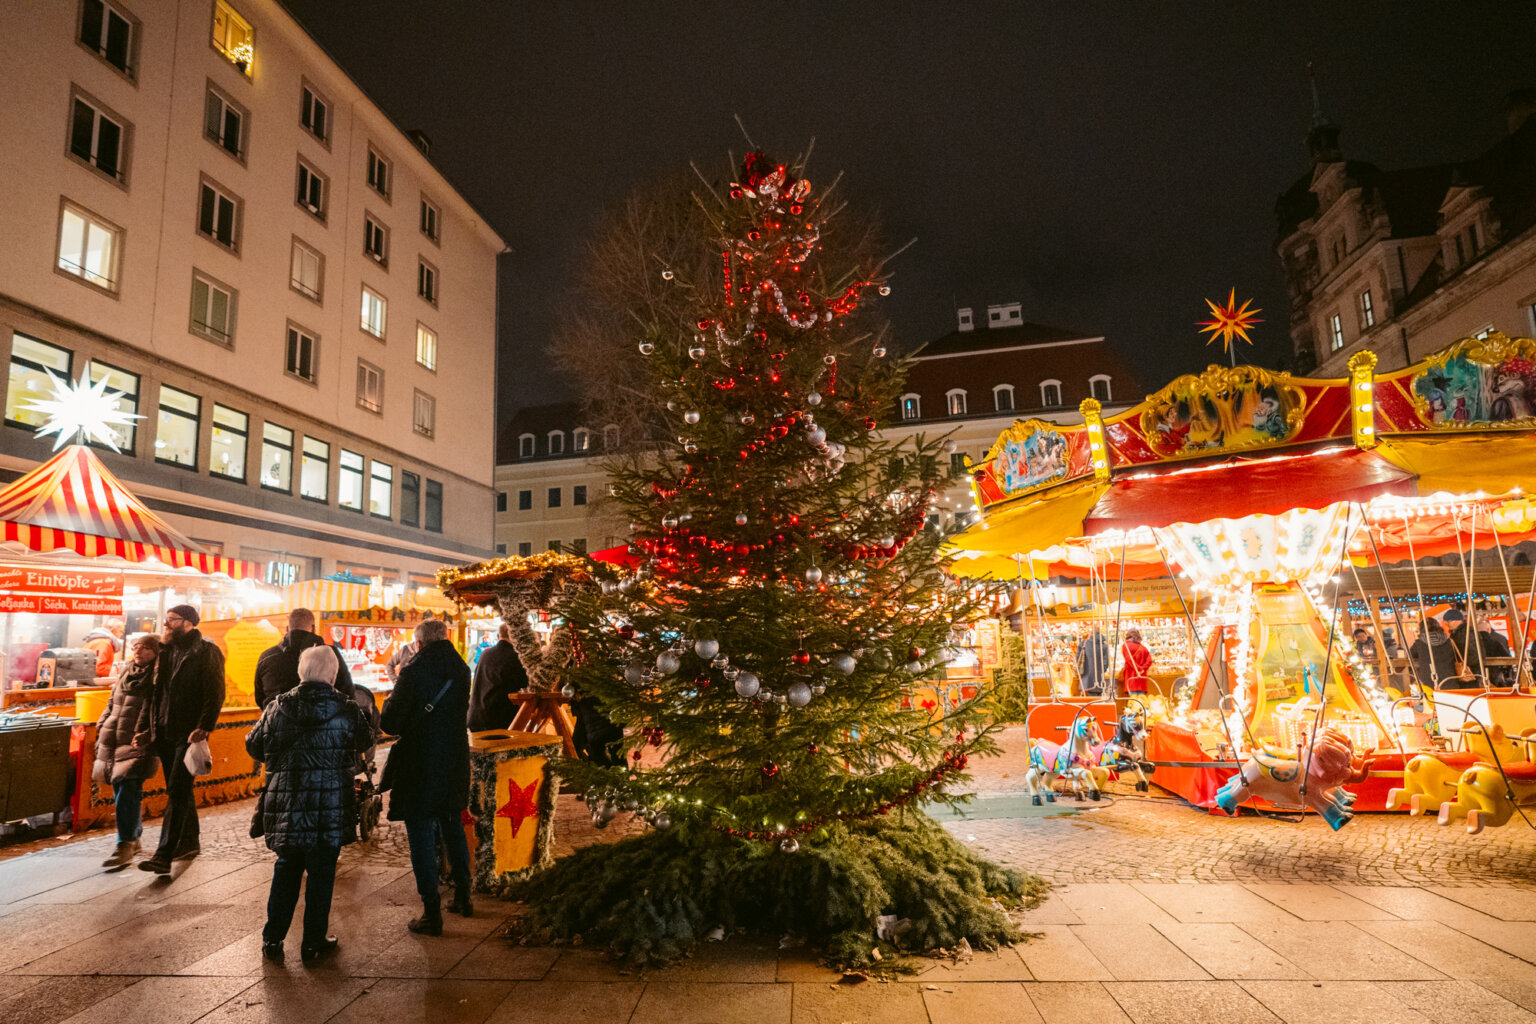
x: 1312, y: 593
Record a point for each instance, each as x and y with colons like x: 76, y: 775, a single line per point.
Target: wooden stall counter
x: 512, y: 801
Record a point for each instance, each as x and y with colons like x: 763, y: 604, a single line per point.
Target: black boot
x: 431, y: 920
x: 461, y: 904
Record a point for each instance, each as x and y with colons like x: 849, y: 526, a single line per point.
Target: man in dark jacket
x: 310, y: 738
x: 499, y: 674
x: 277, y: 670
x: 1434, y: 658
x: 1478, y: 643
x: 187, y: 704
x: 428, y: 769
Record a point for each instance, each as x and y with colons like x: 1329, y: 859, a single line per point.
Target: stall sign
x: 50, y: 604
x: 35, y: 580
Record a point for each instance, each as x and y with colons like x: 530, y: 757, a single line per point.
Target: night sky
x: 1108, y: 164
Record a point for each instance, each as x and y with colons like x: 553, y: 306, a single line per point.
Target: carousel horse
x: 1072, y: 760
x: 1127, y: 749
x: 1328, y: 763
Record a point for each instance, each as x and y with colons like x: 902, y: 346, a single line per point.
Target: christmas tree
x: 790, y: 605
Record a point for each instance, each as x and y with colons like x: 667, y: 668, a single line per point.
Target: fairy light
x: 1362, y: 367
x: 1093, y: 414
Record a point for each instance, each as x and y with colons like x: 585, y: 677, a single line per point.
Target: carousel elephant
x: 1484, y: 798
x: 1428, y: 780
x: 1328, y: 762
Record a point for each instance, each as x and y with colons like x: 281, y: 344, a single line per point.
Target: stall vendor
x: 1138, y: 662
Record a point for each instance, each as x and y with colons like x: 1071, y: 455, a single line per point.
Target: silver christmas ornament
x: 741, y: 519
x: 885, y: 289
x: 627, y: 584
x: 720, y: 661
x: 662, y: 820
x: 690, y: 417
x: 819, y: 689
x: 667, y: 662
x: 730, y: 672
x: 690, y: 447
x: 706, y: 649
x: 813, y: 575
x: 666, y: 275
x: 829, y: 358
x: 814, y: 398
x: 696, y: 353
x: 671, y: 407
x: 747, y: 419
x: 568, y: 691
x: 887, y: 541
x: 816, y: 435
x: 747, y: 684
x: 949, y: 447
x: 879, y: 351
x: 799, y: 694
x: 844, y: 663
x: 609, y: 586
x: 634, y: 674
x: 646, y: 348
x: 669, y: 522
x: 789, y: 845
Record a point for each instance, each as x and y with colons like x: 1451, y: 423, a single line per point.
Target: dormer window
x: 557, y: 442
x: 954, y: 401
x: 1002, y: 398
x: 911, y: 407
x: 611, y: 437
x: 1050, y: 393
x: 581, y: 440
x: 525, y: 446
x: 1098, y: 386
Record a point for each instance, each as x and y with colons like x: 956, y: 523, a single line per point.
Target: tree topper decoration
x: 1230, y: 322
x: 81, y: 409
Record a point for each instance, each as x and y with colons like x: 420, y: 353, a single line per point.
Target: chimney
x: 966, y: 321
x: 1008, y: 314
x: 419, y: 137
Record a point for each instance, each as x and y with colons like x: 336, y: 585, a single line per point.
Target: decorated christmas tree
x: 775, y: 643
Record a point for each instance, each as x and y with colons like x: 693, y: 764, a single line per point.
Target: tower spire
x: 1323, y: 138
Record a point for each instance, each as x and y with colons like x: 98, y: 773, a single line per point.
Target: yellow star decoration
x: 1230, y: 321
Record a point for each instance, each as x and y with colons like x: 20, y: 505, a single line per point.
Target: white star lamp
x: 81, y: 409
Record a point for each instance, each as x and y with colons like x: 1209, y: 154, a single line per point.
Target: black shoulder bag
x: 387, y: 776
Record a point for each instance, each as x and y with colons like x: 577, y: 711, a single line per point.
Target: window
x: 1338, y: 250
x: 276, y: 458
x: 1472, y: 240
x: 312, y: 190
x: 410, y: 499
x: 109, y: 32
x: 218, y: 216
x: 380, y: 485
x: 349, y: 481
x: 1050, y: 393
x: 33, y: 363
x: 375, y: 240
x: 374, y: 310
x: 1461, y: 252
x: 525, y: 446
x: 556, y: 442
x: 501, y: 501
x: 230, y: 433
x: 224, y: 123
x: 553, y: 545
x: 232, y: 36
x: 378, y: 172
x: 579, y: 546
x: 213, y: 309
x: 911, y: 407
x: 424, y: 418
x: 610, y: 438
x: 127, y: 387
x: 303, y: 353
x: 315, y: 470
x: 176, y: 428
x: 370, y: 386
x: 88, y: 247
x: 554, y: 497
x: 306, y: 271
x: 426, y: 281
x: 433, y: 518
x: 1002, y: 398
x: 501, y: 549
x: 1098, y: 387
x: 957, y: 463
x: 429, y: 219
x: 524, y: 500
x: 524, y: 549
x: 98, y: 139
x: 581, y: 440
x: 314, y: 111
x: 1336, y: 329
x: 954, y: 401
x: 426, y: 346
x: 579, y: 494
x: 1367, y: 310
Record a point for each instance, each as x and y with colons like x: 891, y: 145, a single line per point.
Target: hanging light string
x: 1333, y: 627
x: 1509, y: 588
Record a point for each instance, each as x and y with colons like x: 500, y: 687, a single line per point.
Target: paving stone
x: 978, y: 1003
x: 690, y: 1002
x: 1111, y: 903
x: 162, y: 941
x: 888, y: 1003
x: 1507, y: 904
x: 497, y: 958
x: 1518, y: 938
x: 1415, y: 903
x: 1188, y: 1002
x: 1052, y: 910
x: 1137, y: 952
x: 162, y: 1001
x: 1001, y: 965
x: 1314, y: 902
x: 1058, y: 955
x: 734, y: 961
x: 798, y: 965
x: 1075, y: 1002
x: 418, y: 956
x: 1225, y: 902
x: 1226, y: 951
x: 37, y: 931
x: 435, y: 1000
x: 588, y: 965
x: 22, y: 878
x: 53, y: 1000
x: 1333, y: 1002
x: 1456, y: 1002
x: 587, y: 1002
x: 284, y: 1000
x: 1338, y: 951
x: 1449, y: 951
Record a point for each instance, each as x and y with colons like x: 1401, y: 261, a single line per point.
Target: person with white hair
x: 310, y: 739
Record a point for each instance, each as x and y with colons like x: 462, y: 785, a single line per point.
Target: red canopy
x: 1242, y: 487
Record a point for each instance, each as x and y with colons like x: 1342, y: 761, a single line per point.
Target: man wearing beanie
x: 186, y: 706
x: 310, y: 738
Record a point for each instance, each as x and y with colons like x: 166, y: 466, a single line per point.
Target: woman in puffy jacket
x: 124, y: 755
x: 310, y: 739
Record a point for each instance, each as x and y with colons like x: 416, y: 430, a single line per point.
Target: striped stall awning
x: 74, y: 503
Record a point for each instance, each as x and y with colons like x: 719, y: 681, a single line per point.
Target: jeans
x: 128, y: 794
x: 422, y: 835
x: 178, y: 829
x: 293, y: 864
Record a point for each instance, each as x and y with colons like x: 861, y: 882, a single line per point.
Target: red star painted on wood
x: 520, y: 804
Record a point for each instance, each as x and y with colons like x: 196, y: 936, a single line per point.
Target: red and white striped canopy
x: 74, y: 503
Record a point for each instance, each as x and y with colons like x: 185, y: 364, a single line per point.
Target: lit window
x: 433, y: 519
x: 176, y: 427
x: 426, y: 346
x: 302, y: 353
x: 276, y: 458
x: 381, y: 482
x: 88, y: 247
x: 1050, y: 393
x: 108, y: 31
x: 581, y: 440
x: 213, y: 309
x: 127, y: 387
x: 429, y: 217
x: 349, y: 481
x: 375, y: 240
x: 424, y: 418
x: 911, y: 407
x: 378, y: 172
x: 306, y: 270
x: 313, y: 113
x: 1098, y: 386
x: 231, y: 431
x: 232, y: 36
x: 410, y: 499
x: 33, y: 365
x: 1336, y: 329
x: 218, y: 215
x: 374, y: 310
x: 525, y: 446
x: 1002, y: 398
x: 370, y: 386
x: 315, y: 470
x: 955, y: 402
x: 99, y: 139
x: 557, y: 442
x: 224, y: 123
x: 1367, y: 309
x: 426, y: 281
x: 311, y: 190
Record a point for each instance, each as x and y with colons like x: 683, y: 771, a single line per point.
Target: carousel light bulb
x: 81, y: 408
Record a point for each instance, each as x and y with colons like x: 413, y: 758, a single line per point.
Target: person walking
x: 277, y: 670
x: 187, y: 702
x: 1138, y: 662
x: 1092, y: 662
x: 125, y: 745
x: 499, y: 674
x: 310, y: 739
x: 427, y: 773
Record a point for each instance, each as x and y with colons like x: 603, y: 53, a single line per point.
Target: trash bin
x: 34, y: 765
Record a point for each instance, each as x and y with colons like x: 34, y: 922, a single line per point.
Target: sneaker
x: 187, y: 853
x: 123, y: 856
x: 156, y: 865
x: 324, y: 948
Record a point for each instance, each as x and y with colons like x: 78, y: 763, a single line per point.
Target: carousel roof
x: 74, y: 503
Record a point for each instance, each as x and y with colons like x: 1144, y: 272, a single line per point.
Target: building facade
x: 1404, y: 262
x: 205, y: 211
x: 968, y: 385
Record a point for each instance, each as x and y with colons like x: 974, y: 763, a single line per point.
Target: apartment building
x: 206, y: 212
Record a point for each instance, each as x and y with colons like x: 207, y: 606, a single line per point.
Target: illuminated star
x: 81, y: 408
x: 520, y: 804
x: 1229, y: 322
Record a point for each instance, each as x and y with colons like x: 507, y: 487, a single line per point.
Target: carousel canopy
x: 74, y: 503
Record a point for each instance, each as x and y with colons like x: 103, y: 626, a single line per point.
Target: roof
x: 539, y: 420
x: 986, y: 339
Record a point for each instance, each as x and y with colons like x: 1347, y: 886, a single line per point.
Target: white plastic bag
x: 199, y: 759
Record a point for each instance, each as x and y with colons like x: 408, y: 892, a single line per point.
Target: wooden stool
x: 537, y: 710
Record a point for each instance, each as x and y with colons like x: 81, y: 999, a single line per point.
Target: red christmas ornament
x: 914, y: 654
x: 801, y: 657
x: 812, y: 749
x: 770, y: 769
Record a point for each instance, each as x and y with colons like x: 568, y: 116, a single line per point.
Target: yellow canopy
x: 1463, y: 465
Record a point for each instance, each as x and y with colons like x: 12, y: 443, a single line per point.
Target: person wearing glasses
x: 187, y: 704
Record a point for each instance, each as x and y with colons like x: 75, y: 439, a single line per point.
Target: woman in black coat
x: 310, y: 738
x: 427, y: 773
